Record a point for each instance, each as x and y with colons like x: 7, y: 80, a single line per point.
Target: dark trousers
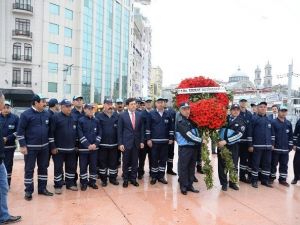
x: 198, y: 158
x: 234, y: 149
x: 170, y: 157
x: 186, y: 165
x: 69, y: 158
x: 88, y: 161
x: 261, y: 157
x: 119, y: 158
x: 142, y: 157
x: 9, y: 162
x: 108, y: 163
x: 245, y: 160
x: 41, y: 158
x: 296, y: 165
x: 159, y: 158
x: 130, y: 163
x: 283, y: 160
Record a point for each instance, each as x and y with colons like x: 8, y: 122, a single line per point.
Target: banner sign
x: 200, y: 90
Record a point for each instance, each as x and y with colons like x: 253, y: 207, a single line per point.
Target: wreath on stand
x: 208, y: 103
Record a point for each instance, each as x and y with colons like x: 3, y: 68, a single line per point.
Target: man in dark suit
x: 130, y: 140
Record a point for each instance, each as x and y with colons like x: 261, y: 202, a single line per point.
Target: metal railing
x: 25, y: 33
x: 20, y: 6
x: 26, y: 58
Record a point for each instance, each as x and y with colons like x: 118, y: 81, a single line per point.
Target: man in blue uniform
x: 33, y: 136
x: 130, y: 141
x: 189, y: 141
x: 244, y: 154
x: 296, y: 161
x: 283, y: 145
x: 160, y: 134
x: 230, y: 137
x: 89, y: 134
x: 261, y: 142
x: 63, y: 132
x: 108, y: 152
x: 146, y: 150
x: 9, y: 123
x: 77, y: 113
x: 172, y: 114
x: 53, y: 106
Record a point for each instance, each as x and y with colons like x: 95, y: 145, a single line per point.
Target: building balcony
x: 19, y: 84
x: 22, y: 34
x: 22, y: 8
x: 24, y: 59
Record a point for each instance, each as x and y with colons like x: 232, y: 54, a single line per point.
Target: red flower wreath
x: 207, y: 110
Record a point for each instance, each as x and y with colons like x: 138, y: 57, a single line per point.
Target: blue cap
x: 283, y: 108
x: 234, y: 106
x: 138, y: 100
x: 89, y: 106
x: 7, y: 103
x: 38, y: 97
x: 119, y: 100
x: 243, y: 100
x: 76, y: 97
x: 148, y: 99
x: 52, y: 102
x: 263, y: 103
x: 253, y: 104
x: 160, y: 98
x: 108, y: 101
x: 65, y: 102
x: 184, y: 105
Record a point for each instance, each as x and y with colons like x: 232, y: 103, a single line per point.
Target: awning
x: 18, y: 94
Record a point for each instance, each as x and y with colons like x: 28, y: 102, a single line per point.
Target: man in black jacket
x: 5, y: 217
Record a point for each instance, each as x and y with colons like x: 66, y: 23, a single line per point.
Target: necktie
x: 133, y: 120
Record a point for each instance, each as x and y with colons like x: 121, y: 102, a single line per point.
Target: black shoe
x: 94, y: 186
x: 104, y: 183
x: 63, y: 182
x: 192, y: 189
x: 162, y: 180
x: 224, y: 187
x: 140, y: 177
x: 28, y: 196
x: 183, y: 191
x: 114, y: 182
x: 254, y: 184
x: 83, y: 187
x: 45, y: 192
x: 267, y: 184
x: 134, y: 183
x: 195, y: 179
x: 171, y: 172
x: 271, y: 181
x: 245, y: 180
x: 125, y: 184
x: 284, y: 183
x: 153, y: 181
x: 294, y: 181
x: 199, y: 169
x: 234, y: 186
x: 214, y: 152
x: 12, y: 219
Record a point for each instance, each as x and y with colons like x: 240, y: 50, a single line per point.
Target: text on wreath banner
x: 198, y: 90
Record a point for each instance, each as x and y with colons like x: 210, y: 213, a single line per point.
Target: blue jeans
x: 4, y: 215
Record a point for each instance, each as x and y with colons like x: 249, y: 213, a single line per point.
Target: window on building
x: 53, y: 9
x: 27, y: 74
x: 52, y: 48
x: 22, y: 25
x: 67, y: 70
x: 68, y: 14
x: 16, y: 76
x: 53, y: 28
x: 27, y: 52
x: 23, y: 4
x: 87, y: 3
x: 68, y: 51
x: 17, y: 51
x: 52, y: 67
x: 68, y: 88
x: 52, y: 87
x: 68, y: 32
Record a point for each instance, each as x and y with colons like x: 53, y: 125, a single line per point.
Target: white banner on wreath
x: 202, y: 90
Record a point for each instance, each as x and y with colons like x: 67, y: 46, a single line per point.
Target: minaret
x: 268, y: 75
x: 257, y: 80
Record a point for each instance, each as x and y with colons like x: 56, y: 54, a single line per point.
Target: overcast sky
x: 214, y: 37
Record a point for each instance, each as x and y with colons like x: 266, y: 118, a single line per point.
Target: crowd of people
x: 77, y: 135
